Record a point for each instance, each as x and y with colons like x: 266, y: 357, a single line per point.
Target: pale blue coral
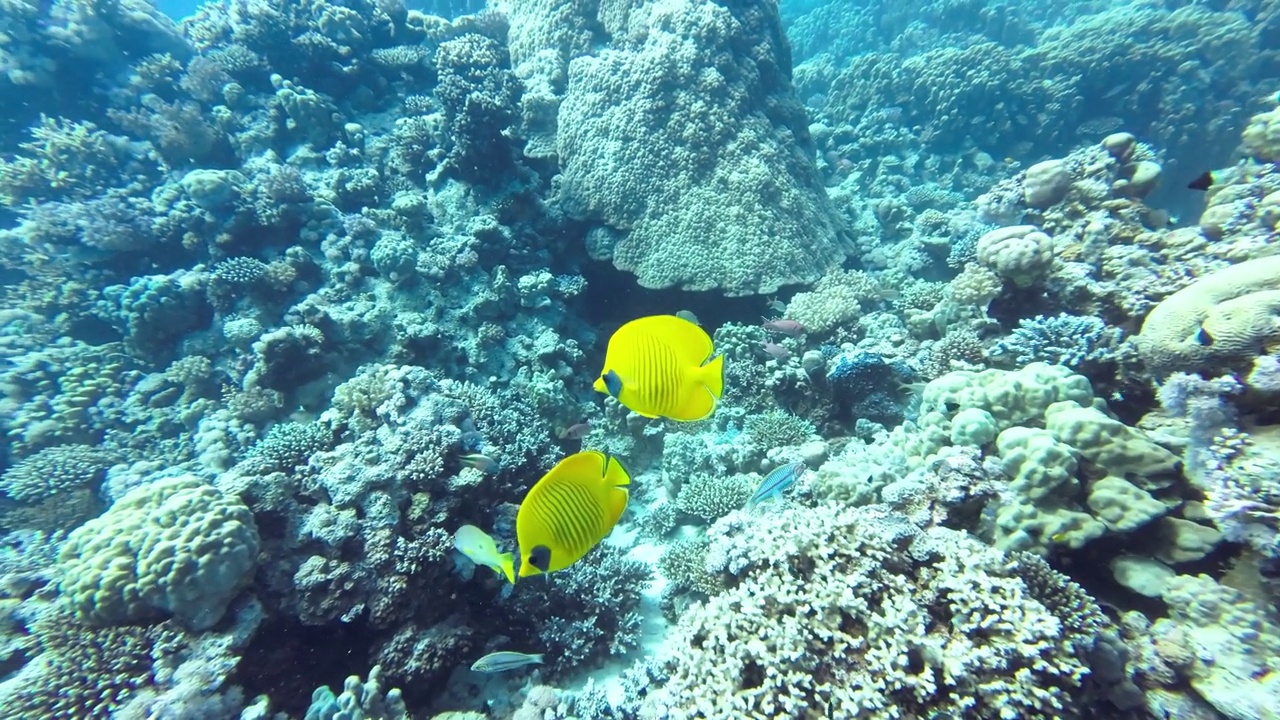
x: 1062, y: 339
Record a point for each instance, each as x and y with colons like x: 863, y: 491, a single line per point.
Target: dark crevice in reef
x: 287, y: 661
x: 613, y: 297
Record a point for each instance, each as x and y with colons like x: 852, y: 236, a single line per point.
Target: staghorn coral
x: 64, y: 160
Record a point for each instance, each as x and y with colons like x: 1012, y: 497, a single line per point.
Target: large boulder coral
x: 1046, y: 423
x: 686, y: 144
x: 1021, y: 253
x: 176, y: 546
x: 1224, y: 319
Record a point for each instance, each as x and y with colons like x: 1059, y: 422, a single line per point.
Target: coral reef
x: 293, y: 291
x: 865, y: 611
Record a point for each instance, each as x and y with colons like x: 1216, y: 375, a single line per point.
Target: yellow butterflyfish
x: 663, y: 366
x: 569, y: 511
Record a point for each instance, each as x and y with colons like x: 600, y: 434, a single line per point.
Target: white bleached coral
x: 847, y: 612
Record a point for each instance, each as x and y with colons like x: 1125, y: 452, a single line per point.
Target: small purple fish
x: 776, y: 351
x: 481, y: 462
x: 777, y: 482
x: 786, y: 327
x: 576, y: 431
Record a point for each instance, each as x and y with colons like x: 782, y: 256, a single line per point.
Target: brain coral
x: 176, y: 546
x: 691, y: 150
x: 1226, y: 317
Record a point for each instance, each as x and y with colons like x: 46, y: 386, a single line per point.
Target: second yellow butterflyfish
x: 569, y: 511
x: 663, y: 366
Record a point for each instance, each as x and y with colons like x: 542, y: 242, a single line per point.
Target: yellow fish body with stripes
x: 663, y: 366
x: 569, y: 511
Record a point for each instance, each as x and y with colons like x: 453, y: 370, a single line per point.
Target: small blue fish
x: 777, y: 482
x: 504, y: 660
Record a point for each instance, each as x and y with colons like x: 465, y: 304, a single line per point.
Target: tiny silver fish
x: 777, y: 482
x: 776, y: 351
x: 504, y: 660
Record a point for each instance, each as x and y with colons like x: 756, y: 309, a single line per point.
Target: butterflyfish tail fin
x: 617, y: 479
x: 690, y: 343
x: 712, y: 376
x: 508, y: 564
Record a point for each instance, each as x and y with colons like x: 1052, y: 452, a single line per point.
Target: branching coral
x: 63, y: 160
x: 590, y: 612
x: 81, y: 672
x: 843, y: 611
x: 1063, y: 339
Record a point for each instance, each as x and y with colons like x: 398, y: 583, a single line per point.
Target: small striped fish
x: 505, y: 660
x: 777, y: 482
